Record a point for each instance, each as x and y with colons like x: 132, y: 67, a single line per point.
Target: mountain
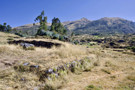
x: 84, y: 26
x: 107, y: 26
x: 69, y: 25
x: 73, y: 25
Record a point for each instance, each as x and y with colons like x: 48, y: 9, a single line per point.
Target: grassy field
x: 111, y: 70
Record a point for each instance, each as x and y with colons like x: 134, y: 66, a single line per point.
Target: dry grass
x: 42, y: 56
x: 4, y: 37
x: 110, y: 69
x: 131, y: 77
x: 70, y: 51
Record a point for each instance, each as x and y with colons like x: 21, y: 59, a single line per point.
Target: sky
x: 21, y: 12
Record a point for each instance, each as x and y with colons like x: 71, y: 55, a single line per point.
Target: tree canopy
x: 42, y: 20
x: 5, y: 27
x: 57, y: 26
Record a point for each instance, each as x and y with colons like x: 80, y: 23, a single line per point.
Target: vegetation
x: 57, y: 30
x: 43, y: 22
x: 131, y: 48
x: 57, y: 26
x: 92, y: 87
x: 5, y: 27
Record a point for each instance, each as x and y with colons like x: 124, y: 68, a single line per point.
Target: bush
x: 61, y: 38
x: 133, y: 49
x: 49, y: 33
x: 19, y: 34
x: 56, y: 36
x: 76, y: 42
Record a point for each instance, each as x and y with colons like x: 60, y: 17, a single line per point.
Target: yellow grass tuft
x: 70, y: 51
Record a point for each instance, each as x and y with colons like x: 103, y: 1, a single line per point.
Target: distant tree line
x: 5, y: 27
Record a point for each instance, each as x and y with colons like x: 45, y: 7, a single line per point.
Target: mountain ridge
x: 106, y: 25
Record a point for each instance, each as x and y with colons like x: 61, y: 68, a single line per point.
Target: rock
x: 49, y: 71
x: 22, y: 79
x: 26, y: 45
x: 49, y: 78
x: 56, y: 75
x: 65, y: 66
x: 25, y: 64
x: 34, y: 66
x: 36, y: 88
x: 73, y: 64
x: 61, y: 67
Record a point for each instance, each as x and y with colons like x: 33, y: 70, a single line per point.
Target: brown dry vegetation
x: 111, y: 70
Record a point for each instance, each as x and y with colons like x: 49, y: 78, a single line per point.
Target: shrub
x: 61, y: 38
x: 56, y: 36
x: 133, y: 49
x: 49, y: 33
x: 76, y: 42
x: 19, y: 34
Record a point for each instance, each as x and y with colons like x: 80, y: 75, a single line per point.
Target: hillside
x: 64, y: 66
x: 108, y: 26
x: 74, y: 25
x: 103, y: 26
x: 29, y: 29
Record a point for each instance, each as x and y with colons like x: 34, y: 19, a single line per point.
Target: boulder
x: 25, y: 64
x: 27, y: 45
x: 49, y: 71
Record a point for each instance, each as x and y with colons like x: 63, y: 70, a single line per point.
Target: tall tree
x: 5, y: 27
x: 9, y: 28
x: 57, y: 26
x: 42, y: 20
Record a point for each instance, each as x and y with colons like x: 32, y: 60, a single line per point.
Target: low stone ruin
x: 35, y: 43
x: 55, y: 72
